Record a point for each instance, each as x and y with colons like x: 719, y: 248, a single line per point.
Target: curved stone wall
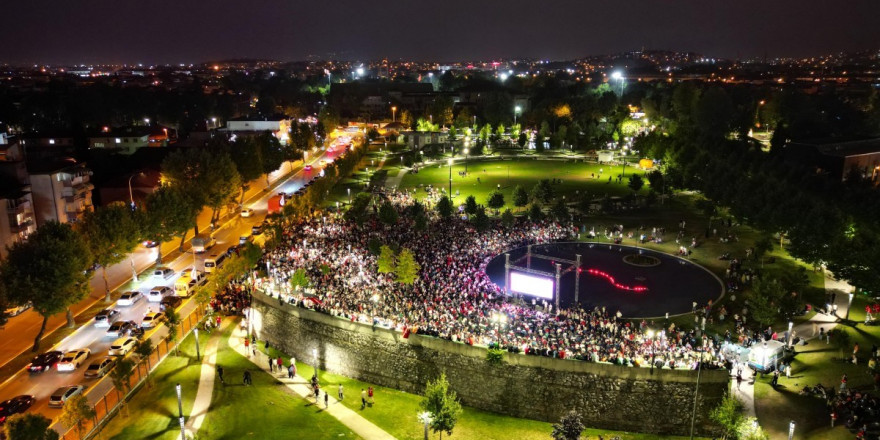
x: 607, y: 396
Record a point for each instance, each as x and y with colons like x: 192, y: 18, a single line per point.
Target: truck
x: 276, y: 202
x: 202, y: 243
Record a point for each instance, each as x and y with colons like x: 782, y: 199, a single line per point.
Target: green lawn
x: 396, y: 412
x: 236, y: 411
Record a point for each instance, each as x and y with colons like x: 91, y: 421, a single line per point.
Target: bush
x: 495, y: 356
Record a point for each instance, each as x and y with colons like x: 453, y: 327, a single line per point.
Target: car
x: 152, y: 319
x: 308, y: 168
x: 106, y: 317
x: 157, y: 293
x: 256, y: 230
x: 243, y: 239
x: 149, y: 244
x: 247, y: 212
x: 15, y: 311
x: 100, y: 367
x: 171, y: 301
x: 122, y: 346
x: 163, y: 273
x: 73, y: 359
x: 63, y: 394
x: 15, y: 405
x: 44, y: 361
x: 122, y: 328
x: 129, y: 298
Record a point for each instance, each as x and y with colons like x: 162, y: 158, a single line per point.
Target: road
x: 41, y: 385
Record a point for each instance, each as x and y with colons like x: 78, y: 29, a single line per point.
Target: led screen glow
x: 540, y: 287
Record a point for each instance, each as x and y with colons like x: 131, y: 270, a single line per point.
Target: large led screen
x: 540, y: 287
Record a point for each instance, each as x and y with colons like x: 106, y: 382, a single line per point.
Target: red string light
x: 615, y: 283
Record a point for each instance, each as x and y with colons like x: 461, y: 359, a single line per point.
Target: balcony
x: 18, y: 206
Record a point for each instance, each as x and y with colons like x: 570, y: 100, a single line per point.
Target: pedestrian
x: 271, y: 365
x: 821, y: 333
x: 339, y: 392
x: 253, y: 339
x: 833, y: 418
x: 267, y: 345
x: 218, y: 321
x: 843, y: 383
x: 739, y: 378
x: 815, y: 326
x: 246, y: 377
x: 280, y: 363
x: 326, y: 400
x: 247, y: 345
x: 363, y: 399
x: 370, y: 395
x: 775, y: 379
x: 788, y: 370
x: 220, y: 374
x: 291, y: 371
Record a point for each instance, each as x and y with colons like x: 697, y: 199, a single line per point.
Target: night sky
x: 177, y: 31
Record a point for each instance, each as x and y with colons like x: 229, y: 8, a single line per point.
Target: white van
x: 202, y: 244
x: 214, y: 262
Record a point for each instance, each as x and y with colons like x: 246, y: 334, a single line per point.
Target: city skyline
x: 169, y: 33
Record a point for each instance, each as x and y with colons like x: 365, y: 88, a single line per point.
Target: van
x: 214, y: 262
x: 187, y: 282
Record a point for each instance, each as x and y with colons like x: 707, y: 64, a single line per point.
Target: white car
x: 122, y: 346
x: 106, y: 317
x: 129, y: 298
x: 152, y: 319
x: 64, y: 394
x: 157, y: 293
x: 163, y: 273
x: 100, y: 367
x: 73, y: 359
x: 247, y: 212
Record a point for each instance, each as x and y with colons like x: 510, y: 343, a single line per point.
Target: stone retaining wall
x: 607, y: 396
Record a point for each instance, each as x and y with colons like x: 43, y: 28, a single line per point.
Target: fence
x: 110, y: 402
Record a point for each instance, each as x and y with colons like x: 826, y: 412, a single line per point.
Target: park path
x: 206, y: 380
x: 746, y: 392
x: 354, y: 421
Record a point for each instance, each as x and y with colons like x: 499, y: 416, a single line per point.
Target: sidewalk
x: 359, y: 425
x: 804, y: 330
x: 202, y: 403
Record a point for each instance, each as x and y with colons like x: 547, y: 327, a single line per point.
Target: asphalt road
x: 18, y: 334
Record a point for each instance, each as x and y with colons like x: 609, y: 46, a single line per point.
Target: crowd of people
x: 453, y: 297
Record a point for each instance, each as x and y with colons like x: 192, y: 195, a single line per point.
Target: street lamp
x: 315, y: 354
x: 130, y: 193
x: 349, y: 195
x: 653, y: 351
x: 697, y: 388
x: 180, y: 414
x: 449, y: 161
x: 790, y: 326
x: 791, y: 430
x: 848, y: 306
x: 393, y: 113
x: 198, y: 353
x: 425, y: 417
x: 466, y: 151
x: 618, y: 76
x: 516, y: 111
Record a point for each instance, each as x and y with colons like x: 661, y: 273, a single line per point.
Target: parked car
x: 247, y: 212
x: 100, y: 367
x: 149, y: 243
x: 129, y: 298
x: 15, y: 311
x: 15, y: 405
x: 308, y: 168
x: 171, y: 302
x: 152, y: 319
x: 44, y: 361
x: 163, y: 273
x: 122, y: 346
x: 106, y: 317
x: 157, y: 293
x: 63, y: 394
x: 73, y: 359
x: 256, y: 229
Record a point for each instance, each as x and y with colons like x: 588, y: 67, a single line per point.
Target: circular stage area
x: 606, y: 280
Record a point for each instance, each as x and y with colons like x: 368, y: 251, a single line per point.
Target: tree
x: 749, y: 429
x: 144, y: 349
x: 442, y: 403
x: 728, y: 414
x: 187, y: 169
x: 223, y: 182
x: 48, y: 270
x: 29, y: 426
x: 765, y: 299
x: 121, y: 377
x: 635, y: 182
x: 507, y: 218
x: 570, y: 427
x: 328, y: 118
x: 111, y: 233
x: 522, y: 140
x: 387, y: 261
x: 358, y: 210
x: 520, y: 197
x: 387, y: 214
x: 496, y: 201
x: 272, y: 153
x: 300, y: 279
x: 444, y: 207
x: 470, y: 205
x: 762, y: 246
x: 407, y: 269
x: 480, y: 220
x: 655, y: 179
x: 542, y: 192
x: 535, y: 213
x: 168, y: 213
x: 560, y: 210
x: 172, y: 321
x: 76, y: 413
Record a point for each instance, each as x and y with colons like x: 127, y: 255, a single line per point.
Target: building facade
x: 61, y: 191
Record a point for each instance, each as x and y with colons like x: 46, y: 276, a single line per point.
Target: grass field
x: 236, y: 412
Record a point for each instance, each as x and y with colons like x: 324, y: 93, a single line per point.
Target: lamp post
x: 516, y: 111
x: 349, y: 195
x: 618, y: 76
x: 790, y: 326
x: 130, y: 192
x: 653, y: 350
x: 425, y: 417
x: 393, y: 113
x: 198, y: 353
x: 791, y: 430
x: 697, y: 389
x: 180, y: 414
x: 449, y: 161
x: 315, y: 354
x: 848, y: 306
x: 466, y: 151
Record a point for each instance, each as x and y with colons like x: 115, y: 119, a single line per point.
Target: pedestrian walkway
x: 746, y: 392
x: 206, y: 380
x: 299, y: 385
